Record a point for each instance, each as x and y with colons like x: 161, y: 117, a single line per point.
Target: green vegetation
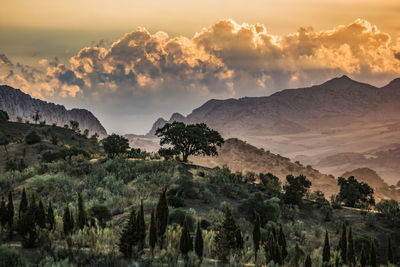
x: 115, y: 145
x: 168, y: 213
x: 193, y: 139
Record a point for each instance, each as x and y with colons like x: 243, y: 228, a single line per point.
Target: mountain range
x: 312, y: 124
x: 18, y: 104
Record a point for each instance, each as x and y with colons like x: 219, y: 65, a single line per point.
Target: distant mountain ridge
x: 334, y: 103
x: 16, y: 103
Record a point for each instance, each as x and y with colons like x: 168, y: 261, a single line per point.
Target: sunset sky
x: 131, y: 61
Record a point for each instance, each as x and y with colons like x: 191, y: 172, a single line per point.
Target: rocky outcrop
x: 19, y: 104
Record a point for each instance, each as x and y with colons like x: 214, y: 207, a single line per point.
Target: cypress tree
x: 326, y: 256
x: 41, y: 215
x: 10, y: 214
x: 272, y: 248
x: 225, y: 237
x: 162, y: 214
x: 3, y: 212
x: 152, y: 232
x: 28, y: 223
x: 350, y: 249
x: 129, y: 237
x: 308, y: 262
x: 239, y: 239
x: 186, y: 241
x: 256, y: 234
x: 23, y: 205
x: 372, y: 261
x: 282, y: 243
x: 68, y: 221
x: 390, y: 251
x: 82, y: 213
x: 298, y: 254
x: 50, y: 217
x: 363, y: 258
x: 141, y: 226
x: 199, y: 243
x: 343, y: 245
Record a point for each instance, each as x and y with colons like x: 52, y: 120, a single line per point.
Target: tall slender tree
x: 186, y: 241
x: 326, y: 255
x: 129, y: 237
x: 82, y: 213
x: 199, y: 243
x: 23, y: 205
x: 390, y: 256
x: 363, y: 258
x: 68, y: 221
x: 153, y: 232
x: 28, y: 223
x: 162, y: 214
x: 308, y: 262
x: 372, y: 260
x: 256, y: 234
x: 3, y: 212
x: 282, y: 243
x: 50, y: 219
x: 351, y: 258
x: 41, y: 215
x: 141, y: 226
x: 343, y: 245
x: 10, y: 215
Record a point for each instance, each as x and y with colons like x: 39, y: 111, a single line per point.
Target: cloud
x: 143, y: 72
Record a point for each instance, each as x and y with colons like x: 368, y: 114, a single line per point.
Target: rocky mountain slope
x: 309, y: 124
x: 17, y: 103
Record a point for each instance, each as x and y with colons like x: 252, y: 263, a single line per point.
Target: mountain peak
x: 394, y: 83
x: 177, y: 117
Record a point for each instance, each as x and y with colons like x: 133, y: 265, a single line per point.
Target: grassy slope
x: 17, y: 132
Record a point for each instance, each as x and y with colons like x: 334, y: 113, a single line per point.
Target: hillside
x: 31, y: 154
x: 18, y: 104
x: 309, y: 124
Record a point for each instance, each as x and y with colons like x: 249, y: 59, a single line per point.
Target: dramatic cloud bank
x: 153, y: 74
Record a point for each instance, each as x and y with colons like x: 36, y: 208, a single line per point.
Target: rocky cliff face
x: 17, y: 103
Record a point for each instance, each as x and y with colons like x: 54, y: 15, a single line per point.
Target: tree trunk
x: 185, y: 157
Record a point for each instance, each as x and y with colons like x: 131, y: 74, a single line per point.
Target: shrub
x: 391, y: 210
x: 11, y: 258
x: 15, y: 164
x: 177, y: 216
x: 268, y: 209
x: 32, y: 138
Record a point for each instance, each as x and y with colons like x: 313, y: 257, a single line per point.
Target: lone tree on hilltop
x: 191, y: 139
x: 36, y: 116
x: 354, y: 193
x: 115, y: 145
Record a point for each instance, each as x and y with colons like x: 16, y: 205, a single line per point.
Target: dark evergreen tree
x: 68, y: 221
x: 152, y: 232
x: 372, y: 260
x: 50, y: 219
x: 326, y: 255
x: 23, y: 205
x: 363, y: 258
x: 351, y: 258
x: 390, y: 251
x: 298, y: 254
x: 239, y: 239
x: 308, y: 262
x: 3, y: 212
x: 28, y: 225
x: 282, y: 243
x: 10, y: 214
x: 41, y: 215
x: 343, y: 245
x: 295, y: 189
x: 162, y: 214
x: 272, y: 248
x: 82, y: 213
x: 129, y: 237
x: 199, y: 243
x: 141, y: 226
x: 225, y: 236
x: 256, y: 234
x: 186, y: 241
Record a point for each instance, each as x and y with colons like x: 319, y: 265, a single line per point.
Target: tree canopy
x: 115, y: 144
x: 191, y: 139
x: 354, y: 193
x: 296, y: 188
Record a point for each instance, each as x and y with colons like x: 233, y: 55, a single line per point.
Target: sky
x: 131, y: 62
